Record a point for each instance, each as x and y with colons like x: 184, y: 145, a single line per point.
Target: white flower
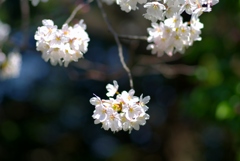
x: 112, y: 89
x: 144, y: 101
x: 209, y: 3
x: 162, y: 38
x: 10, y: 68
x: 100, y: 113
x: 132, y: 112
x: 95, y: 100
x: 113, y: 122
x: 2, y: 57
x: 126, y: 112
x: 128, y: 97
x: 195, y: 23
x: 171, y: 11
x: 174, y: 21
x: 154, y: 11
x: 129, y: 125
x: 61, y: 46
x: 4, y: 31
x: 173, y: 35
x: 35, y: 2
x: 128, y: 5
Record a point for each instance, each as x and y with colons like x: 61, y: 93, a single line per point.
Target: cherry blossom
x: 125, y: 112
x: 61, y: 46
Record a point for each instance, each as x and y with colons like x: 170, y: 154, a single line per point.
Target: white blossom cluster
x: 169, y: 34
x: 125, y: 112
x: 10, y: 66
x: 173, y: 35
x: 159, y: 10
x: 61, y: 45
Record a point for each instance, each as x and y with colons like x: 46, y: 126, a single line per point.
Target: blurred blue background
x: 45, y: 114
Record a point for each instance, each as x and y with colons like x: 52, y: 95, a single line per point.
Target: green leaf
x: 224, y: 111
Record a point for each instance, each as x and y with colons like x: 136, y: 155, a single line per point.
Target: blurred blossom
x: 35, y: 2
x: 33, y: 68
x: 4, y: 31
x: 2, y: 57
x: 11, y: 67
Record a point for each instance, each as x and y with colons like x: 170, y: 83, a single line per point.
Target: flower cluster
x: 10, y: 66
x: 169, y: 34
x: 159, y: 10
x: 173, y: 35
x: 125, y: 112
x: 62, y: 45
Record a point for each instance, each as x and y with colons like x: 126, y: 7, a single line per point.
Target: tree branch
x: 1, y: 1
x: 120, y: 51
x: 25, y: 22
x: 74, y: 12
x: 133, y: 37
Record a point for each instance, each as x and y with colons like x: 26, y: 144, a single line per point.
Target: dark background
x: 45, y: 114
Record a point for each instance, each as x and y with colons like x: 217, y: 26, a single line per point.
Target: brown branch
x: 169, y: 71
x: 133, y: 37
x: 153, y: 59
x: 120, y: 50
x: 94, y: 71
x: 1, y: 1
x: 100, y: 72
x: 74, y: 12
x: 25, y: 22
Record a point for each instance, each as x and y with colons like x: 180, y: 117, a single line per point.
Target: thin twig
x: 25, y: 22
x: 74, y: 12
x: 1, y: 1
x: 133, y: 37
x: 120, y: 50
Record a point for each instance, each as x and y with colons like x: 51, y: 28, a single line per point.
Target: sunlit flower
x: 169, y: 34
x: 112, y: 89
x: 125, y: 112
x: 154, y: 11
x: 61, y: 46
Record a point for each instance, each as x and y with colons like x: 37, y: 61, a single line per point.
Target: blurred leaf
x: 210, y: 70
x: 10, y: 130
x: 224, y: 111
